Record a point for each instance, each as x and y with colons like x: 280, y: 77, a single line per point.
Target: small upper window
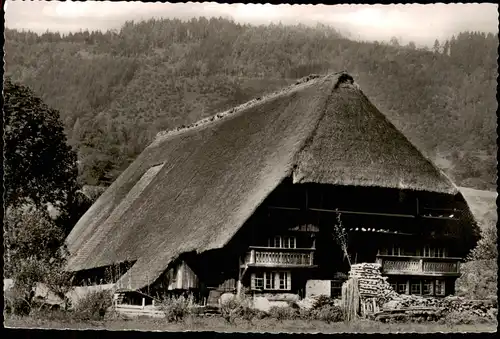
x: 284, y: 242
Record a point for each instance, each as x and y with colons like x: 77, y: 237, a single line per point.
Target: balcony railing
x: 279, y: 257
x: 412, y: 265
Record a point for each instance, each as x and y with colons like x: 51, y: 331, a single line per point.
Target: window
x: 277, y: 241
x: 271, y: 281
x: 283, y: 281
x: 284, y: 242
x: 402, y: 288
x: 440, y: 287
x: 415, y: 287
x: 428, y: 287
x: 428, y: 251
x: 434, y: 252
x: 336, y: 288
x: 258, y: 281
x: 395, y: 251
x: 440, y: 252
x: 289, y: 242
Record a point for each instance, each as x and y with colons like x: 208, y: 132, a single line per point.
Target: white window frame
x: 396, y: 251
x: 405, y: 284
x: 289, y: 242
x: 416, y: 283
x: 277, y: 239
x: 259, y: 277
x: 269, y: 281
x: 430, y: 285
x: 283, y: 242
x: 440, y: 287
x: 282, y: 280
x: 276, y: 281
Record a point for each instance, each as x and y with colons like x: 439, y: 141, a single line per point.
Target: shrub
x: 478, y: 279
x: 239, y: 308
x: 322, y: 301
x: 328, y: 313
x: 16, y: 304
x: 464, y: 317
x: 94, y: 305
x: 177, y: 308
x: 283, y: 313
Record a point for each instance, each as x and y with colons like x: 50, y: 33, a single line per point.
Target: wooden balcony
x: 279, y: 257
x: 422, y: 266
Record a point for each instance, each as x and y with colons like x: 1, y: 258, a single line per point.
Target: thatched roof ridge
x: 203, y: 122
x: 192, y: 190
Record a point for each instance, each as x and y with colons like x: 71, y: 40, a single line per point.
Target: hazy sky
x: 419, y: 23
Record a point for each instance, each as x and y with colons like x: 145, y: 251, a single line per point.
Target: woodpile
x: 450, y: 303
x: 376, y: 293
x: 371, y: 282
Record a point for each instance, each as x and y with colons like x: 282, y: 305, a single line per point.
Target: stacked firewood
x: 374, y: 286
x: 459, y: 304
x: 479, y: 307
x: 371, y: 282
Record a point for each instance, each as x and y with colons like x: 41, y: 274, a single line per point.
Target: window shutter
x: 252, y: 281
x: 288, y: 281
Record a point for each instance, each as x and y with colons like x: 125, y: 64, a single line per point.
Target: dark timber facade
x: 415, y: 236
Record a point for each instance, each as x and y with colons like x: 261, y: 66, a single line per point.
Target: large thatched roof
x: 192, y: 189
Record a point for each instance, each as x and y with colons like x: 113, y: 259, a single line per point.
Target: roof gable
x: 355, y: 144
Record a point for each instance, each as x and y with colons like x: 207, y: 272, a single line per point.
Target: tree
x: 341, y: 237
x: 479, y: 273
x: 436, y: 48
x: 40, y: 168
x: 394, y: 41
x: 34, y: 253
x: 446, y: 48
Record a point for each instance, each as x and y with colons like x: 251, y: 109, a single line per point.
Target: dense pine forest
x: 115, y: 90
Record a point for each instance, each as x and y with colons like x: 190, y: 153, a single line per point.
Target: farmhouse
x: 248, y: 201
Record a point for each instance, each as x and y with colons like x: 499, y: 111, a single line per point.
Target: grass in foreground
x: 264, y: 325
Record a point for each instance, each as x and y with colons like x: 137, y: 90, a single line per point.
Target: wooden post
x: 143, y: 302
x: 421, y: 265
x: 238, y: 287
x: 311, y: 258
x: 252, y: 256
x: 153, y: 303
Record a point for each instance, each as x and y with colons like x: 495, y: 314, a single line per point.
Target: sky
x: 416, y: 22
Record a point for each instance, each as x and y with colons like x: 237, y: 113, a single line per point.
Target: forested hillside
x: 116, y: 90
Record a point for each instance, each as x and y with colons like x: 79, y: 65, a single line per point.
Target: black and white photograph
x: 260, y: 168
